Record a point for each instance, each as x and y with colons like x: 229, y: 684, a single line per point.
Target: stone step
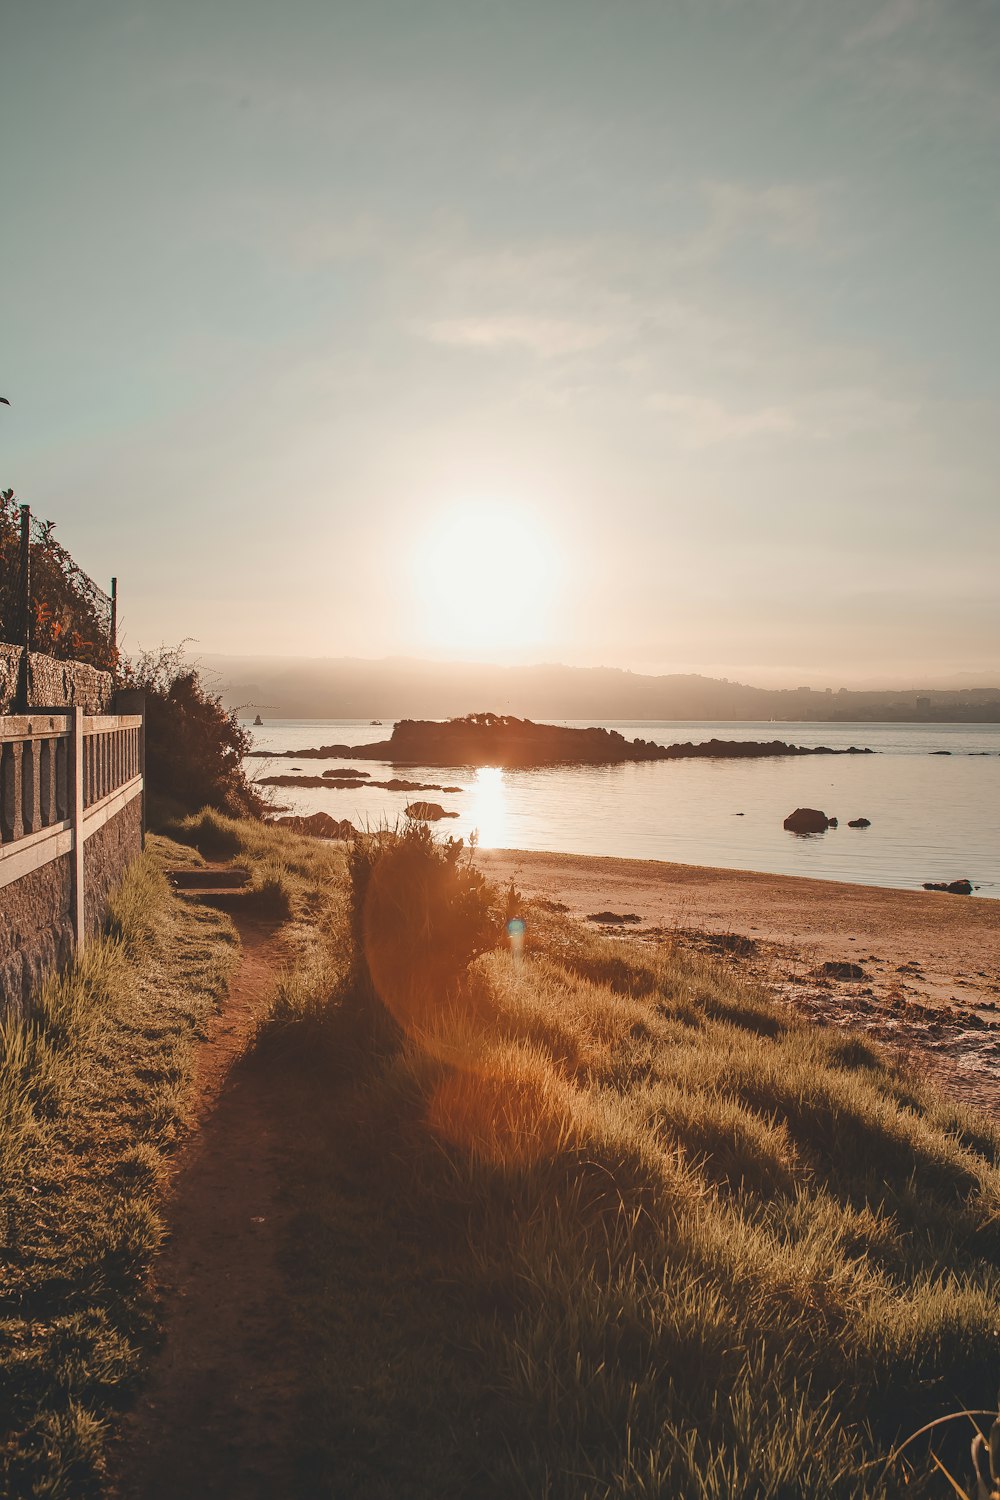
x: 203, y: 880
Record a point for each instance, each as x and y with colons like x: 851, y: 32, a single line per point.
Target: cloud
x: 790, y: 215
x: 703, y: 422
x: 549, y: 338
x: 891, y: 17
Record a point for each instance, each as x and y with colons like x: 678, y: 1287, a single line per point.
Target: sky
x: 654, y: 335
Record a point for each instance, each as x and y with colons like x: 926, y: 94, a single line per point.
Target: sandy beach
x: 926, y: 969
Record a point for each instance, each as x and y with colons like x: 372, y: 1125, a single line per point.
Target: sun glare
x: 488, y: 810
x: 485, y: 575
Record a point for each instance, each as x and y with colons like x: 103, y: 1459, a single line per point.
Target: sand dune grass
x: 679, y: 1243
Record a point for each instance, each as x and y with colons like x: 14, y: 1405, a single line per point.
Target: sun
x: 485, y: 575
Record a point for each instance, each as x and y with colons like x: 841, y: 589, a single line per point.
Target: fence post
x: 76, y: 817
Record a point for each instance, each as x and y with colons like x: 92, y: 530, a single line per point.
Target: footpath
x: 217, y: 1411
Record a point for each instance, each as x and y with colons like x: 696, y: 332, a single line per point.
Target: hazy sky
x: 662, y: 335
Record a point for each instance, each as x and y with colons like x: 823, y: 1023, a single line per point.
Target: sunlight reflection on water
x: 488, y: 808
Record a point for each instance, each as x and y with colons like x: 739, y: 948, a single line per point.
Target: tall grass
x: 696, y: 1247
x: 93, y: 1095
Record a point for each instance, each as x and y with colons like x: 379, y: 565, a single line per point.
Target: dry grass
x: 640, y: 1233
x: 93, y: 1098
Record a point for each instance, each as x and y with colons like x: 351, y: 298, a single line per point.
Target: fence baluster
x: 11, y: 812
x: 47, y: 782
x: 31, y: 811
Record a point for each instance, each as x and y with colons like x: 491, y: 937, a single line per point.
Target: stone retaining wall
x: 10, y: 663
x: 53, y: 684
x: 36, y: 931
x: 67, y: 684
x: 36, y: 912
x: 107, y: 854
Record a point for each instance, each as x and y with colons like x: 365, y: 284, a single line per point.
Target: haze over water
x: 934, y: 817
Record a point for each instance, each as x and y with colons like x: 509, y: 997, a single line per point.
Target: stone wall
x: 65, y: 684
x: 53, y: 684
x: 36, y: 930
x: 36, y: 913
x: 10, y: 663
x: 106, y: 855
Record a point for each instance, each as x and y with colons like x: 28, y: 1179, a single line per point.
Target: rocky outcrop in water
x: 953, y: 887
x: 333, y: 783
x: 489, y: 739
x: 808, y: 820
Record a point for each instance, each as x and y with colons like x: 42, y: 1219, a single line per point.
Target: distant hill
x: 353, y: 688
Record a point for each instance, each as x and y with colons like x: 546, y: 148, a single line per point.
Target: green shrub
x: 194, y: 746
x: 418, y: 917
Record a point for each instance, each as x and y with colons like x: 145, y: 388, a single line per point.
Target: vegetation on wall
x: 69, y: 614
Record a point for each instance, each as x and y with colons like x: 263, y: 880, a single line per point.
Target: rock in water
x: 428, y: 812
x: 808, y: 820
x: 859, y: 823
x: 953, y: 887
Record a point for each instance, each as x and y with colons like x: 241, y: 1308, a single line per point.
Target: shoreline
x: 929, y: 962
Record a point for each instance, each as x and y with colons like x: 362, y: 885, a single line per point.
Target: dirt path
x: 216, y: 1417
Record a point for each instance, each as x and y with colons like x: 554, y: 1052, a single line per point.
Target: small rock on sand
x: 838, y: 970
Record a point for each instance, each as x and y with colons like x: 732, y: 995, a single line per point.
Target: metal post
x: 24, y: 579
x: 76, y: 816
x: 114, y: 614
x: 24, y: 608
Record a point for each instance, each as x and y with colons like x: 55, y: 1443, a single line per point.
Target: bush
x: 418, y: 918
x: 194, y: 746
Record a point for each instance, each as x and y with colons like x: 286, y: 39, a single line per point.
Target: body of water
x: 933, y: 816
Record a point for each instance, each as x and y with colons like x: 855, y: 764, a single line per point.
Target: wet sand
x: 928, y: 962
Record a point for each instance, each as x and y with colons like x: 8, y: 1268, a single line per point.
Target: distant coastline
x: 353, y: 688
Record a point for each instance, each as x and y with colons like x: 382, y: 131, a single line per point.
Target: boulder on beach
x: 838, y: 969
x: 859, y: 822
x: 428, y: 812
x: 319, y: 825
x: 808, y: 820
x: 953, y: 887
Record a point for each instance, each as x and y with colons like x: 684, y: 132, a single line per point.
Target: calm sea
x: 933, y: 817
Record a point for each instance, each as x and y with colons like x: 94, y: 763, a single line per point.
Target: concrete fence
x: 71, y: 798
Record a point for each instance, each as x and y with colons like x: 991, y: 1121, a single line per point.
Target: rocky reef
x: 488, y: 739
